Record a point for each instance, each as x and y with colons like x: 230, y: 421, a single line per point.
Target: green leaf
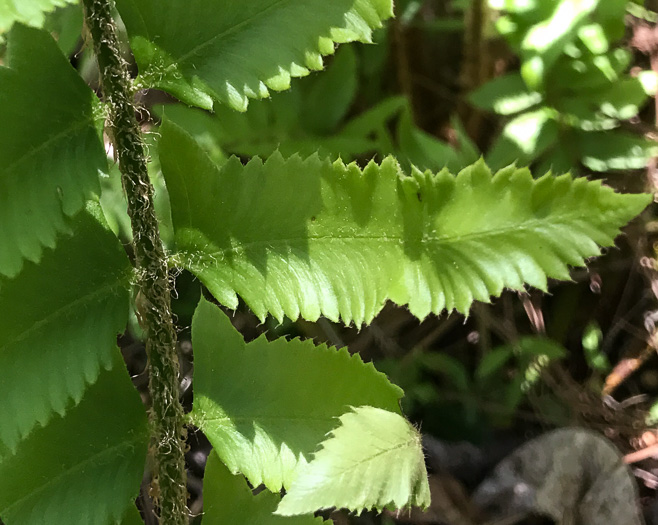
x: 611, y: 15
x: 601, y: 109
x: 590, y: 72
x: 534, y: 346
x: 29, y: 12
x: 65, y: 24
x: 205, y: 50
x: 59, y: 325
x: 624, y: 99
x: 467, y: 150
x: 301, y: 120
x: 534, y: 354
x: 425, y: 151
x: 594, y: 38
x: 557, y: 160
x: 332, y: 94
x: 265, y: 406
x: 332, y: 147
x: 310, y: 237
x: 505, y: 95
x: 373, y: 460
x: 228, y: 499
x: 492, y: 362
x: 543, y: 44
x: 604, y: 151
x: 449, y: 367
x: 591, y: 341
x: 84, y: 468
x: 373, y: 119
x: 259, y: 131
x: 50, y: 151
x: 524, y: 138
x: 652, y: 416
x: 580, y: 113
x: 132, y: 517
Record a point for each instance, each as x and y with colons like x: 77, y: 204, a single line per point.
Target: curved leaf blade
x: 29, y: 12
x: 617, y: 150
x: 228, y: 499
x: 310, y: 237
x: 544, y: 42
x: 92, y: 483
x: 505, y: 95
x: 59, y: 324
x: 205, y: 50
x: 374, y: 459
x: 50, y: 151
x: 524, y: 138
x: 268, y: 405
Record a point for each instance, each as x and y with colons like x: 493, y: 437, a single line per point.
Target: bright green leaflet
x: 265, y: 406
x: 206, y: 50
x: 309, y: 237
x: 374, y: 459
x: 30, y: 12
x: 84, y: 468
x: 59, y: 325
x: 228, y: 499
x: 50, y: 151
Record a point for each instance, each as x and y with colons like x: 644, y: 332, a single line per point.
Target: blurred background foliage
x: 561, y: 85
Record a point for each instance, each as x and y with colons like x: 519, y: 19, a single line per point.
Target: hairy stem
x: 153, y: 304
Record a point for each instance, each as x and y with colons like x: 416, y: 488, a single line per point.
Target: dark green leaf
x: 59, y: 324
x: 227, y: 499
x: 524, y: 138
x: 84, y: 468
x: 50, y: 151
x: 205, y: 50
x: 616, y: 150
x: 505, y: 95
x: 330, y: 97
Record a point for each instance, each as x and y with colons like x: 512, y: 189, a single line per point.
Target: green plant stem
x: 153, y: 304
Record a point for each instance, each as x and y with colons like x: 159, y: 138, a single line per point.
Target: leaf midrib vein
x: 183, y: 58
x: 127, y: 444
x: 257, y: 418
x: 410, y: 442
x: 54, y: 138
x: 393, y: 238
x: 62, y: 312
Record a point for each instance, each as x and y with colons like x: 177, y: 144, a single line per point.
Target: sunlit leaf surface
x: 308, y: 237
x: 265, y: 406
x: 207, y: 50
